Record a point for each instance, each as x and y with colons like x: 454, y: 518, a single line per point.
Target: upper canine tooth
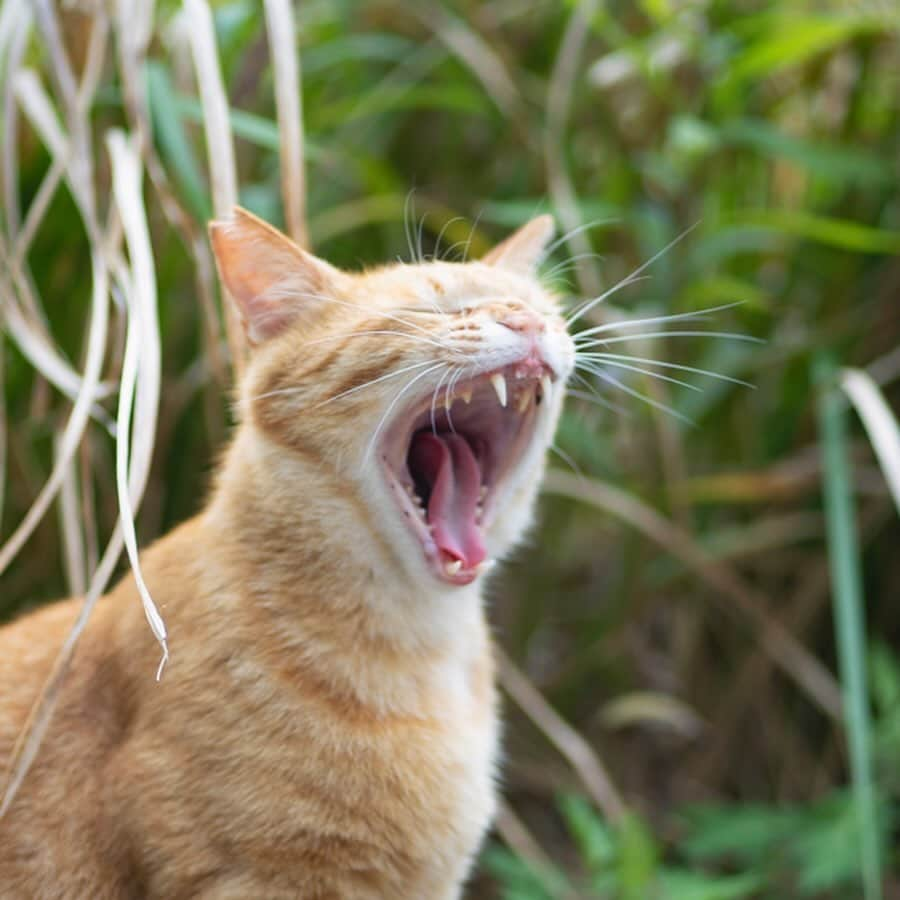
x: 546, y: 386
x: 524, y: 401
x: 499, y: 383
x: 451, y: 568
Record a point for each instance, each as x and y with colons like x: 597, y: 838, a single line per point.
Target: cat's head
x: 428, y: 392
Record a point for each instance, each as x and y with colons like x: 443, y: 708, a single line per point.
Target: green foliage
x: 766, y: 135
x: 724, y: 852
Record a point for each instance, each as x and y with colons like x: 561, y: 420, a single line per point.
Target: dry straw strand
x: 803, y: 668
x: 559, y: 183
x: 141, y: 367
x: 40, y: 111
x: 219, y: 144
x: 880, y: 424
x: 70, y: 526
x: 563, y: 736
x: 289, y: 104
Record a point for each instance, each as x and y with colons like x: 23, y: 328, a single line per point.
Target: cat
x: 327, y: 726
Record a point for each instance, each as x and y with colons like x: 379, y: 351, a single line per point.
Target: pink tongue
x: 447, y: 463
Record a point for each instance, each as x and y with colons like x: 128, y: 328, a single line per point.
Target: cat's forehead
x: 455, y: 286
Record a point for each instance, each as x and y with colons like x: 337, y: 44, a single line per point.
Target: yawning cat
x: 327, y: 725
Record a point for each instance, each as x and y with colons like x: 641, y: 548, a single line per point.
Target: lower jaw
x: 433, y: 558
x: 461, y: 577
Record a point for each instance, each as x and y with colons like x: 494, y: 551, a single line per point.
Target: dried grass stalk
x: 70, y: 526
x: 559, y: 183
x: 141, y: 366
x: 880, y: 424
x: 563, y: 736
x: 33, y: 731
x: 15, y: 29
x: 289, y: 103
x: 787, y: 653
x: 40, y: 111
x: 219, y: 144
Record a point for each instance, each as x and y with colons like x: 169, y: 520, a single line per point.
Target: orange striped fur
x: 327, y: 725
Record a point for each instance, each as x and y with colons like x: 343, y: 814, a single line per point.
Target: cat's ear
x: 272, y: 280
x: 523, y: 250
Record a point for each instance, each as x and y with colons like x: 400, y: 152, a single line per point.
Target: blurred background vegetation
x: 674, y: 652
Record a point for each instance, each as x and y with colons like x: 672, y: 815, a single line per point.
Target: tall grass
x: 668, y: 633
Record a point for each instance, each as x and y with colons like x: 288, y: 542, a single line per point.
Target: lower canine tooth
x: 524, y: 401
x: 451, y: 568
x: 499, y: 383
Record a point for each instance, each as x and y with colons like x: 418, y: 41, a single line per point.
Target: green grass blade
x: 837, y: 162
x: 848, y: 612
x: 841, y: 233
x: 174, y: 145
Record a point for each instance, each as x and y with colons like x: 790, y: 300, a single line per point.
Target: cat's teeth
x: 466, y: 395
x: 524, y: 401
x: 546, y: 386
x: 482, y: 493
x: 451, y: 568
x: 499, y: 383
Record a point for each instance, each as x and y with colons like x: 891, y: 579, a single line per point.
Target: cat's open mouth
x: 447, y: 456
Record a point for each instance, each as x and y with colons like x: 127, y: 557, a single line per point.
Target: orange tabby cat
x: 327, y: 726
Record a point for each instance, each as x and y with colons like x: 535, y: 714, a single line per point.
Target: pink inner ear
x: 523, y: 250
x: 270, y: 278
x: 265, y: 316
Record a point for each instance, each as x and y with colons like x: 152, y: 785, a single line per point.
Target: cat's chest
x: 425, y: 774
x: 325, y: 783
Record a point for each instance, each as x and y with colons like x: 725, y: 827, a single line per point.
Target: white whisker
x: 594, y: 367
x: 420, y: 258
x: 569, y: 263
x: 468, y: 244
x: 666, y: 365
x: 406, y: 224
x: 287, y: 291
x: 437, y: 243
x: 697, y: 315
x: 409, y: 337
x: 609, y: 379
x: 380, y: 378
x: 393, y: 403
x: 450, y: 386
x: 591, y: 396
x: 567, y: 459
x: 573, y: 232
x: 582, y: 308
x: 586, y: 307
x: 661, y: 334
x: 434, y: 397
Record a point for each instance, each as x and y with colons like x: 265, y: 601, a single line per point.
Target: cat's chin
x: 448, y: 456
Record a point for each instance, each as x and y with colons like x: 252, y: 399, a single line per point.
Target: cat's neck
x: 292, y: 531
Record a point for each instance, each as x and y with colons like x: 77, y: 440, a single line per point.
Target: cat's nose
x: 523, y: 321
